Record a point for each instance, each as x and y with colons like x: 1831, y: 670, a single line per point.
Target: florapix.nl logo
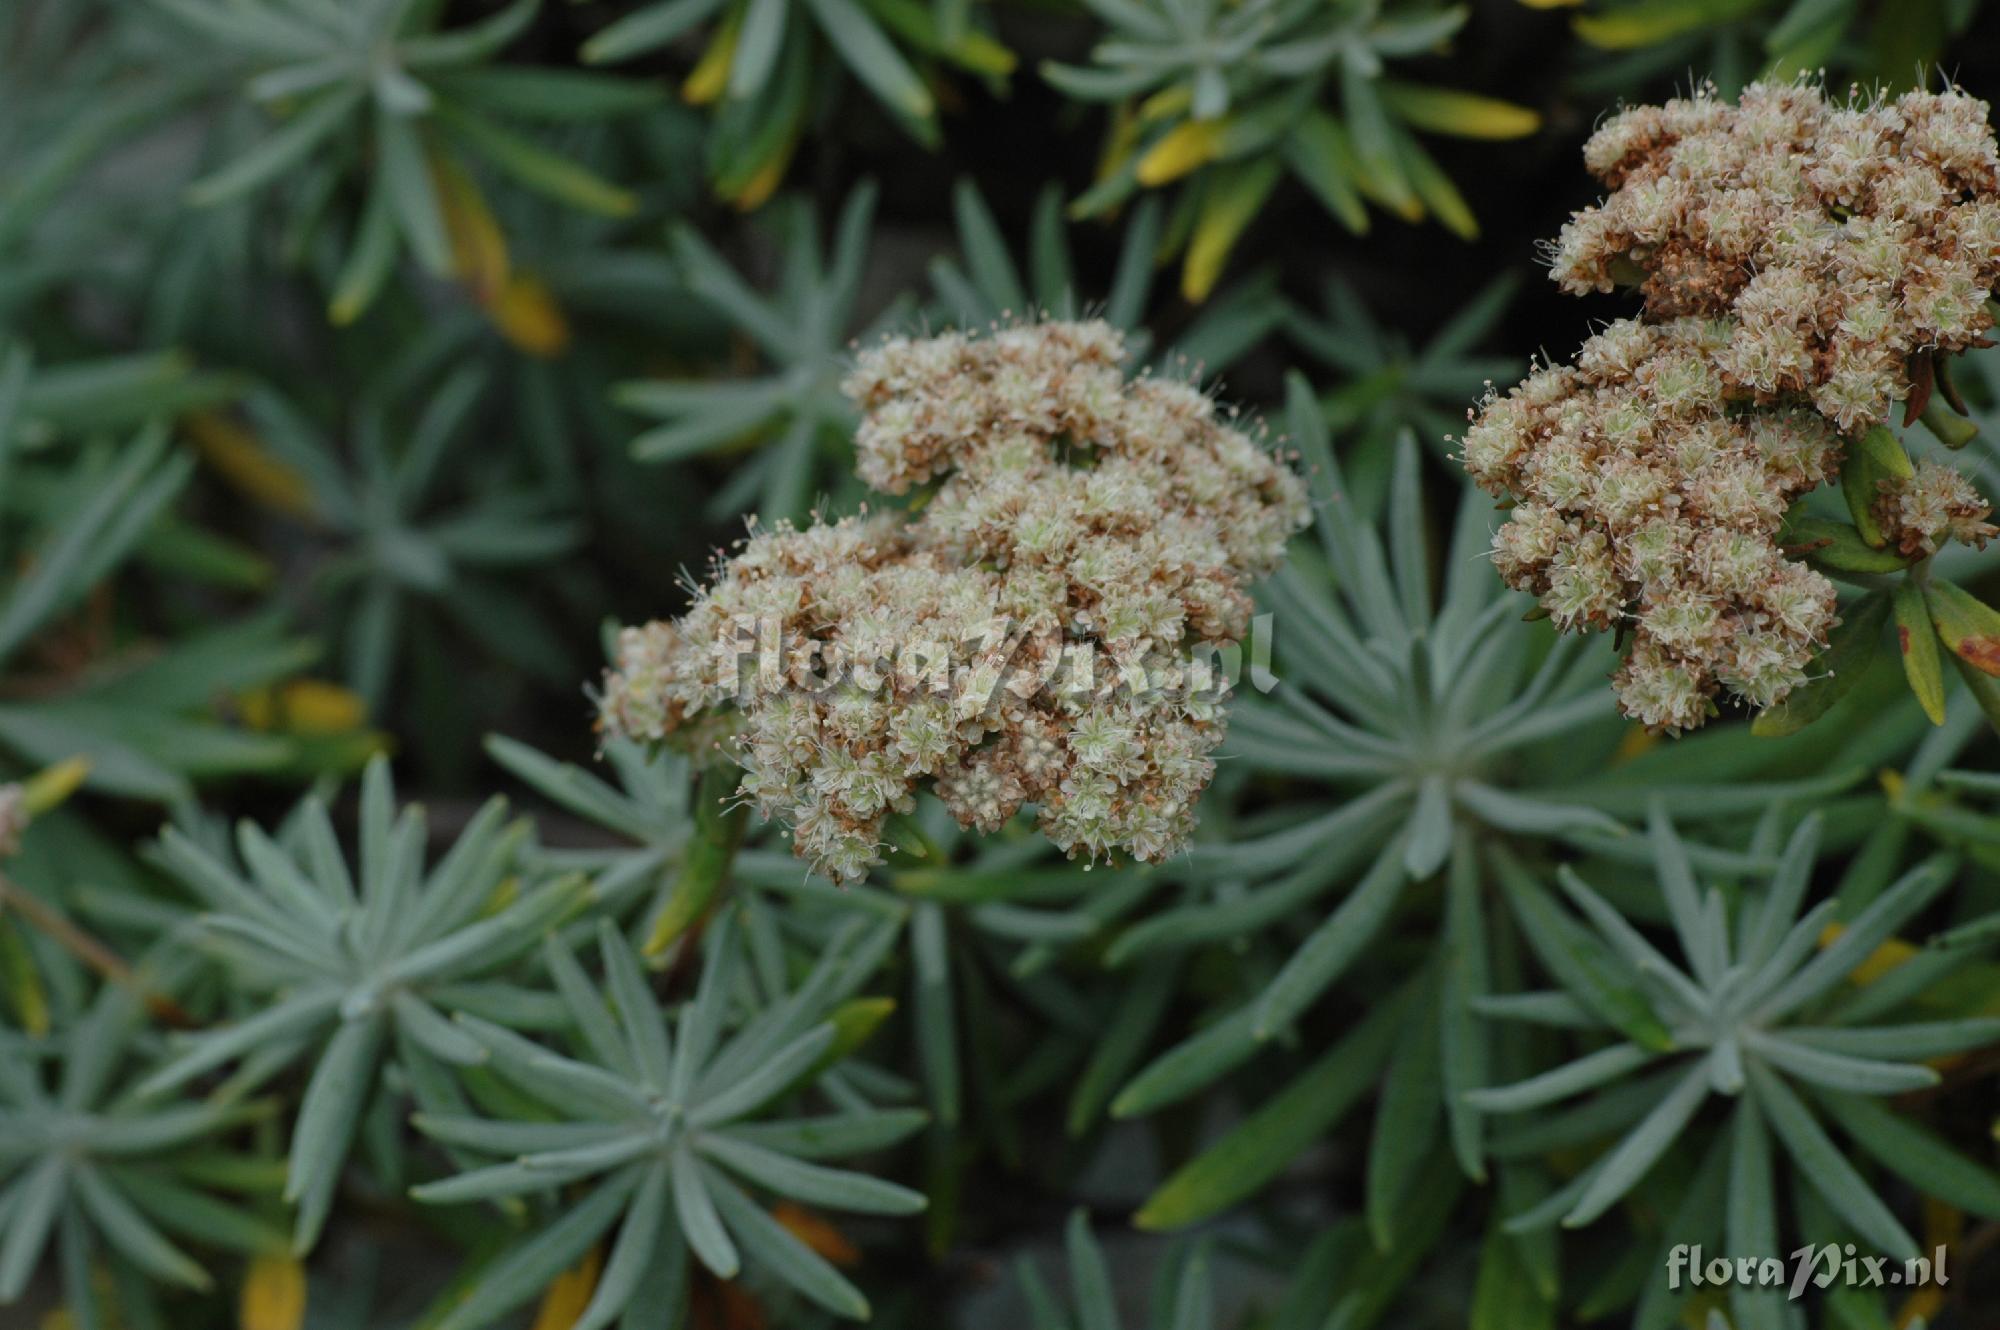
x: 1821, y: 1266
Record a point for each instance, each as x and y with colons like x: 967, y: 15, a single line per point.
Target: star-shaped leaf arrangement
x: 658, y: 1129
x: 359, y: 968
x: 104, y: 1175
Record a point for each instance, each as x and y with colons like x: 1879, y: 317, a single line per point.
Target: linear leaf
x: 1264, y: 1143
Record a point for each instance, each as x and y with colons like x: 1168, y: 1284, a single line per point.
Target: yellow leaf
x: 274, y: 1294
x: 1120, y: 138
x: 1884, y: 958
x: 241, y: 458
x: 314, y: 706
x: 527, y: 315
x: 25, y: 993
x: 505, y: 892
x: 1184, y: 148
x: 1207, y: 252
x: 304, y: 707
x: 710, y: 75
x: 52, y: 785
x: 1166, y: 103
x: 259, y: 708
x: 569, y: 1293
x: 478, y: 247
x: 1944, y: 1227
x: 758, y: 189
x: 1944, y: 1223
x: 1231, y: 202
x: 1922, y: 1305
x: 983, y: 55
x: 764, y: 181
x: 1435, y: 190
x: 1880, y: 962
x: 1625, y: 32
x: 817, y: 1233
x: 1637, y: 740
x: 855, y: 1020
x: 1463, y: 114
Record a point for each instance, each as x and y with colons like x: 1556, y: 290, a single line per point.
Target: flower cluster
x: 1796, y: 258
x: 1644, y: 500
x: 1838, y: 241
x: 1082, y: 527
x: 1935, y: 504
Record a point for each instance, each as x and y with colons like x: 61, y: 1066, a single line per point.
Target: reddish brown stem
x: 88, y: 949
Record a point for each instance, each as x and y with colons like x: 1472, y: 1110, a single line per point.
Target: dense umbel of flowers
x: 1798, y: 259
x: 1084, y: 530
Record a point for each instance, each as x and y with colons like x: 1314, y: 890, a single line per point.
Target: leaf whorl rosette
x: 1024, y: 637
x: 1799, y: 260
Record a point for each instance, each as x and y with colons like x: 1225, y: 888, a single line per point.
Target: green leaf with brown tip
x: 1968, y: 625
x: 1918, y: 642
x: 1985, y: 690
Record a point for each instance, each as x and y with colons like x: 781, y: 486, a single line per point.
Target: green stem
x: 719, y: 816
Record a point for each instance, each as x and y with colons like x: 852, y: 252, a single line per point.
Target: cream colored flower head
x: 1839, y: 241
x: 1798, y: 260
x: 1029, y: 634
